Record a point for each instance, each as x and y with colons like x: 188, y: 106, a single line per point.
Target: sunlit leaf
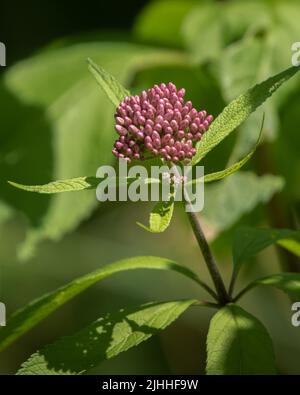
x: 113, y: 89
x: 103, y: 339
x: 238, y: 344
x: 233, y: 168
x: 74, y: 184
x: 29, y: 316
x: 160, y: 217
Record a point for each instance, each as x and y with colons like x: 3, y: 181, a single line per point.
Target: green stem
x: 243, y: 291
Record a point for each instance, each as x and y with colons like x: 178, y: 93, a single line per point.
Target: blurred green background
x: 55, y: 123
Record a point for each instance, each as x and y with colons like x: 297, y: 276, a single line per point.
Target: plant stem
x: 208, y: 257
x: 211, y: 264
x: 232, y: 283
x: 204, y: 303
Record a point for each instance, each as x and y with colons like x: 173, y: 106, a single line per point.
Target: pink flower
x: 159, y: 123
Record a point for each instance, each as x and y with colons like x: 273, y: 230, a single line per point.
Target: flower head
x: 158, y: 122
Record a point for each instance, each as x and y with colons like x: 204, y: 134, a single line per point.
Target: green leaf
x: 64, y: 128
x: 292, y: 245
x: 226, y: 201
x: 73, y: 184
x: 212, y: 26
x: 160, y: 22
x: 240, y: 66
x: 250, y: 241
x: 203, y: 32
x: 233, y: 168
x: 239, y: 110
x: 113, y: 89
x: 289, y: 283
x: 160, y: 217
x: 264, y: 48
x: 33, y: 313
x: 238, y: 344
x: 103, y: 339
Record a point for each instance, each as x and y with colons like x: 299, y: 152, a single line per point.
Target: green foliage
x: 205, y: 21
x: 237, y: 343
x: 289, y: 283
x: 229, y: 199
x: 239, y: 110
x: 32, y: 314
x: 250, y: 40
x: 103, y: 339
x: 250, y: 241
x: 113, y: 89
x: 160, y: 21
x: 219, y: 175
x: 64, y: 128
x: 74, y: 184
x: 64, y: 125
x: 160, y: 217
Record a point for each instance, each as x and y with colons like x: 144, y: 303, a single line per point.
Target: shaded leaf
x: 238, y: 344
x: 105, y: 338
x: 286, y: 282
x: 161, y: 21
x: 250, y: 241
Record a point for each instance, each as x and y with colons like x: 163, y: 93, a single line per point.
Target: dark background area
x: 54, y: 19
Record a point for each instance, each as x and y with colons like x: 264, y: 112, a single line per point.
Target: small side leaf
x: 160, y: 217
x: 73, y: 184
x: 238, y: 344
x: 289, y: 283
x: 250, y: 241
x: 113, y: 89
x: 105, y: 338
x: 29, y: 316
x: 239, y: 110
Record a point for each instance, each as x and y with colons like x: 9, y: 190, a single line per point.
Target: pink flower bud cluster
x: 159, y: 123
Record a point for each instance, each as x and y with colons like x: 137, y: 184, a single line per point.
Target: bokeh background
x: 56, y: 123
